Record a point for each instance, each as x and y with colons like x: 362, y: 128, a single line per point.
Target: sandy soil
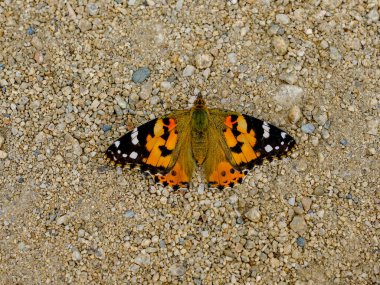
x: 67, y: 92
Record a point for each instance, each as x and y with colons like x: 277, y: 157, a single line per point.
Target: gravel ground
x: 75, y: 75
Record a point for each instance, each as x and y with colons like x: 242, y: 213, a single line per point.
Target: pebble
x: 3, y: 154
x: 62, y: 220
x: 140, y: 75
x: 203, y: 61
x: 294, y: 114
x: 373, y: 126
x: 343, y: 142
x: 335, y: 54
x: 301, y: 241
x: 95, y: 104
x: 298, y: 224
x: 2, y: 140
x: 188, y: 71
x: 282, y: 19
x: 30, y: 31
x: 292, y: 201
x: 92, y: 9
x: 106, y: 128
x: 308, y: 128
x: 146, y: 90
x: 287, y: 95
x: 177, y: 269
x: 76, y: 255
x: 129, y: 214
x: 142, y: 259
x: 84, y: 25
x: 66, y: 90
x: 280, y: 45
x: 38, y: 57
x: 373, y: 15
x: 253, y: 214
x: 306, y: 203
x: 318, y: 191
x: 321, y: 118
x: 288, y: 77
x: 232, y: 57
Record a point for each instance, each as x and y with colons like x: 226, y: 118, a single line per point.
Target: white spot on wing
x: 125, y: 155
x: 135, y: 141
x: 117, y: 143
x: 282, y: 143
x: 266, y: 134
x: 133, y: 155
x: 276, y: 147
x: 283, y: 135
x: 118, y: 151
x: 268, y: 148
x: 134, y: 134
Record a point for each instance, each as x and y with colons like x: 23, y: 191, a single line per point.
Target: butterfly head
x: 199, y: 102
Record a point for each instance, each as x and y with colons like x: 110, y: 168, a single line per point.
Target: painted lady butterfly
x: 227, y: 144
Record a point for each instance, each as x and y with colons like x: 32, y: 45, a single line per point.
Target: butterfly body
x: 225, y: 143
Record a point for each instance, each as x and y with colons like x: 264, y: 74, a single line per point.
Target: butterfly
x: 226, y: 144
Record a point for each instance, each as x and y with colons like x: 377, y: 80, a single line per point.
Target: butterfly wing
x: 155, y: 147
x: 245, y: 142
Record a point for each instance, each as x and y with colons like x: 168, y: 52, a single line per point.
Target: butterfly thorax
x: 199, y: 132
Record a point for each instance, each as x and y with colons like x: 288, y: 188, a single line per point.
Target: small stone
x: 3, y: 154
x: 99, y: 253
x: 166, y: 85
x: 140, y: 75
x: 142, y: 259
x: 318, y: 191
x: 146, y: 90
x: 301, y: 241
x: 84, y: 25
x: 232, y: 57
x: 37, y: 43
x: 292, y: 201
x: 373, y: 126
x: 106, y: 128
x: 66, y: 90
x: 298, y: 224
x: 253, y: 214
x: 95, y: 104
x: 203, y: 61
x: 30, y: 31
x: 335, y: 54
x: 343, y: 142
x: 287, y: 95
x: 294, y: 114
x: 62, y: 220
x: 177, y: 269
x: 76, y: 256
x: 274, y: 262
x: 306, y: 203
x: 129, y: 214
x: 92, y: 9
x: 39, y: 57
x: 355, y: 44
x: 2, y: 139
x: 188, y: 71
x: 282, y: 19
x: 289, y: 77
x: 373, y: 15
x: 308, y: 128
x: 81, y: 233
x: 280, y: 45
x: 321, y: 118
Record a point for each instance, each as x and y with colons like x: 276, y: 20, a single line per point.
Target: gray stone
x: 308, y: 128
x: 335, y: 54
x: 282, y: 19
x: 142, y: 259
x: 177, y: 269
x: 203, y: 61
x: 318, y: 191
x: 188, y: 71
x: 140, y: 75
x: 287, y: 95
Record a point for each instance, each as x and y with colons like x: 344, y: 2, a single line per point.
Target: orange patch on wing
x: 230, y: 138
x: 176, y: 178
x: 164, y: 161
x: 228, y: 122
x: 242, y: 124
x: 225, y: 176
x: 171, y: 124
x: 171, y: 141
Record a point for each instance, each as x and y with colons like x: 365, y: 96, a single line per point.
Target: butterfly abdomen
x: 199, y: 134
